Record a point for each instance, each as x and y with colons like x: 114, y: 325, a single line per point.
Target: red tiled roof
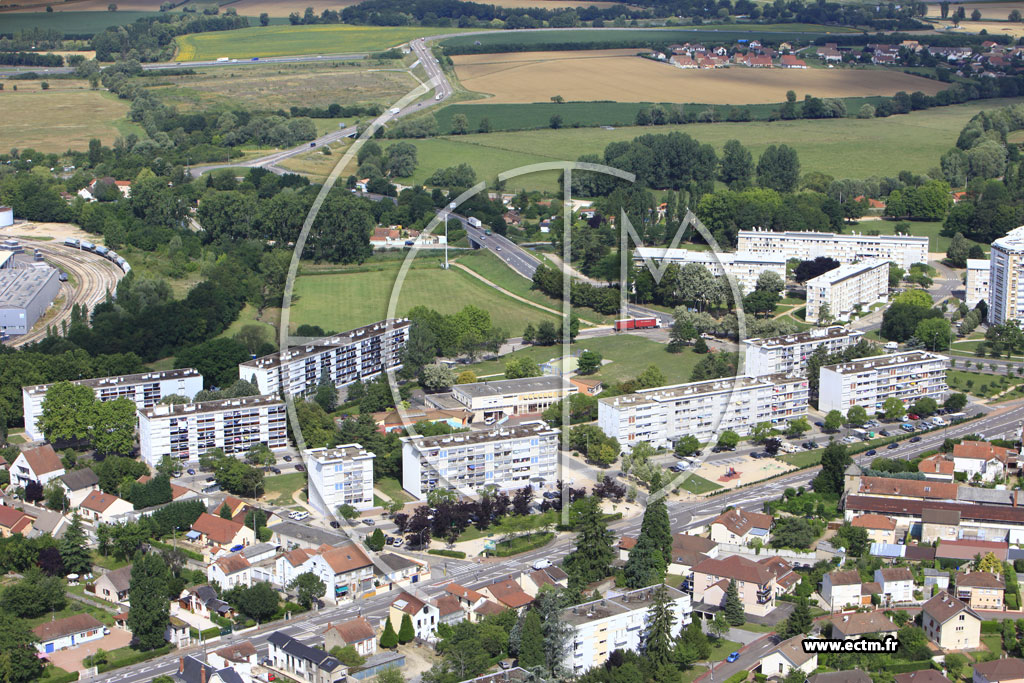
x: 981, y: 450
x: 354, y: 630
x: 216, y: 529
x: 97, y: 501
x: 863, y: 623
x: 891, y: 506
x: 346, y: 558
x: 908, y: 488
x: 847, y: 577
x: 871, y: 521
x: 896, y: 574
x: 1005, y: 669
x: 410, y: 604
x: 9, y: 517
x: 233, y: 563
x: 297, y: 556
x: 42, y: 459
x: 979, y: 580
x: 447, y: 605
x: 944, y: 606
x: 736, y: 567
x: 936, y: 464
x: 740, y: 521
x: 238, y: 652
x: 509, y: 593
x: 966, y: 550
x: 463, y: 592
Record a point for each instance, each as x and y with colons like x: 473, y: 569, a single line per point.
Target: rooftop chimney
x: 181, y: 665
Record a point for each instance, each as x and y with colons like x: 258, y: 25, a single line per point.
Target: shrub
x: 457, y: 554
x: 1012, y: 602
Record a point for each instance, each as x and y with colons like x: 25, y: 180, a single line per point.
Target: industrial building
x: 512, y: 397
x: 144, y: 390
x: 868, y: 382
x: 25, y: 294
x: 359, y: 354
x: 6, y: 216
x: 745, y: 267
x: 903, y: 250
x: 783, y: 355
x: 342, y: 475
x: 846, y: 288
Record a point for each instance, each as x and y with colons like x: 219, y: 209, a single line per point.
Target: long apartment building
x: 337, y: 476
x: 358, y: 354
x: 145, y: 389
x: 600, y: 627
x: 1006, y: 278
x: 903, y: 250
x: 845, y: 288
x: 789, y: 354
x: 512, y: 397
x: 662, y: 415
x: 977, y: 284
x: 185, y: 431
x: 745, y: 267
x: 505, y: 457
x: 868, y: 382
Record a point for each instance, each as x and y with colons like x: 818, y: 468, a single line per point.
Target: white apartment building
x: 359, y: 354
x: 784, y: 355
x: 664, y: 414
x: 187, y: 430
x: 1006, y: 283
x: 512, y: 397
x: 978, y: 271
x: 867, y: 382
x: 745, y: 267
x: 617, y: 622
x: 145, y: 390
x: 903, y: 250
x: 505, y: 457
x: 845, y: 288
x: 337, y: 476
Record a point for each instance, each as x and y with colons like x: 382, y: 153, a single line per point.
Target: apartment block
x: 187, y: 430
x: 505, y: 457
x: 868, y: 382
x: 845, y: 288
x: 512, y: 397
x: 757, y: 583
x: 903, y: 250
x: 744, y: 267
x: 342, y: 475
x: 616, y: 623
x: 789, y: 354
x: 359, y: 354
x: 145, y: 390
x: 664, y: 414
x: 1006, y: 278
x: 978, y: 271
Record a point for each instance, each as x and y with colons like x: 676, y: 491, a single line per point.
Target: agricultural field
x: 280, y: 86
x: 342, y: 301
x: 995, y: 28
x: 278, y: 41
x: 989, y: 10
x: 554, y: 4
x: 75, y: 23
x: 621, y: 76
x: 282, y: 8
x: 52, y: 121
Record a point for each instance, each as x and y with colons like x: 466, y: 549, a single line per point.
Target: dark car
x: 300, y: 468
x: 211, y: 479
x: 884, y: 432
x: 893, y: 445
x: 287, y: 458
x: 871, y: 452
x: 552, y: 495
x: 809, y: 445
x: 335, y: 524
x: 275, y: 470
x: 915, y: 439
x: 718, y: 449
x: 190, y: 470
x: 819, y: 424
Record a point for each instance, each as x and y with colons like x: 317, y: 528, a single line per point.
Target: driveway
x: 71, y: 658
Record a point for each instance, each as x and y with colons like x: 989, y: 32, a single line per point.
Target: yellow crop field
x: 989, y: 10
x: 619, y: 75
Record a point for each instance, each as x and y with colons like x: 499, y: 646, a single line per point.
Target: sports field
x: 278, y: 41
x: 52, y: 120
x: 621, y: 76
x: 342, y: 301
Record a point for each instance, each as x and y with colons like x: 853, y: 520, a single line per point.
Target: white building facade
x: 783, y: 355
x: 185, y: 431
x: 359, y: 354
x: 903, y: 250
x: 1006, y: 279
x: 745, y: 267
x: 976, y: 287
x: 845, y: 288
x: 664, y: 414
x: 342, y: 475
x: 505, y: 457
x: 868, y: 382
x: 144, y: 390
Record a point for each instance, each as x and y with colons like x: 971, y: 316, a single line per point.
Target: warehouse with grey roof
x: 25, y: 294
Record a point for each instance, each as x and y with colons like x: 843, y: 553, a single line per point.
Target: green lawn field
x: 70, y: 23
x: 342, y: 301
x: 279, y: 489
x: 698, y: 484
x: 277, y: 41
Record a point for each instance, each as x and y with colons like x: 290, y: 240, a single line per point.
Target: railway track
x: 94, y: 276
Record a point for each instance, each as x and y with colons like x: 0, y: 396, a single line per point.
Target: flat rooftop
x: 19, y: 286
x: 318, y: 346
x: 886, y: 361
x: 847, y: 271
x: 123, y: 380
x: 1012, y: 241
x: 708, y: 386
x: 179, y: 409
x: 503, y: 387
x: 832, y: 236
x: 632, y: 601
x: 351, y: 451
x: 812, y: 335
x: 978, y: 264
x: 525, y: 429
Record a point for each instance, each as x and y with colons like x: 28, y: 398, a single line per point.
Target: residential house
x: 178, y: 632
x: 468, y: 598
x: 758, y: 583
x: 345, y: 570
x: 859, y: 624
x: 936, y: 468
x: 842, y: 588
x: 61, y: 634
x: 240, y: 656
x: 113, y: 586
x: 402, y: 570
x: 77, y: 484
x: 424, y: 615
x: 788, y: 655
x: 923, y: 676
x: 939, y: 525
x: 532, y: 581
x: 897, y: 584
x: 980, y: 590
x: 508, y: 593
x: 740, y: 527
x: 194, y: 670
x: 213, y: 530
x: 881, y: 529
x: 950, y: 623
x: 687, y: 552
x: 792, y: 62
x: 39, y: 464
x: 358, y: 633
x: 590, y: 386
x: 449, y: 611
x: 1005, y: 670
x: 14, y: 521
x: 980, y: 460
x: 935, y: 577
x: 297, y: 660
x: 202, y: 601
x: 177, y: 492
x: 103, y: 508
x: 852, y: 676
x: 230, y: 571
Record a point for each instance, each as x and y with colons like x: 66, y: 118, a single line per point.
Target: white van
x: 938, y: 421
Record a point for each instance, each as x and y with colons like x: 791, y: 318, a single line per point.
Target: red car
x: 912, y: 416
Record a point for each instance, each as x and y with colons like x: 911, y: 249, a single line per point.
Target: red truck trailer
x: 636, y: 323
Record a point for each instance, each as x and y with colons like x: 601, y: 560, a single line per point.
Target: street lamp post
x: 451, y: 207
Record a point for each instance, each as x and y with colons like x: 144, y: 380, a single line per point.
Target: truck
x: 394, y: 110
x: 222, y: 59
x: 474, y: 221
x: 636, y: 323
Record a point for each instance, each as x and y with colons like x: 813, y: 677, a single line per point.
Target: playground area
x: 742, y: 469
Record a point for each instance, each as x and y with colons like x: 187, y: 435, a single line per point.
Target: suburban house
x: 113, y: 586
x: 306, y: 663
x: 860, y: 624
x: 980, y: 590
x: 469, y: 599
x: 897, y: 584
x: 507, y: 592
x: 202, y: 601
x: 1006, y: 670
x: 230, y: 571
x: 842, y: 588
x: 532, y: 581
x: 449, y: 611
x: 238, y: 656
x: 980, y: 459
x: 77, y: 484
x: 213, y: 530
x: 936, y: 468
x: 924, y: 676
x: 758, y: 583
x: 60, y: 634
x: 14, y: 521
x: 103, y: 508
x: 950, y: 623
x: 358, y: 633
x: 881, y: 529
x: 852, y: 676
x: 424, y: 615
x: 345, y: 570
x: 177, y: 633
x: 36, y: 464
x: 787, y: 656
x: 687, y: 551
x: 402, y: 570
x: 939, y: 525
x: 740, y: 527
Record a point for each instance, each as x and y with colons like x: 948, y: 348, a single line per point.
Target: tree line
x: 151, y: 39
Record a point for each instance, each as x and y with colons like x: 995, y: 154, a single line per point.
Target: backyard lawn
x: 722, y: 648
x: 391, y: 488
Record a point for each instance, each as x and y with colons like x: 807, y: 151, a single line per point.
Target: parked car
x: 211, y: 479
x: 915, y: 439
x: 275, y: 470
x: 679, y: 467
x: 300, y: 468
x: 884, y: 432
x: 335, y: 524
x: 190, y: 471
x: 552, y: 495
x: 894, y: 444
x: 287, y: 458
x: 809, y: 445
x: 733, y: 656
x: 368, y: 522
x: 177, y: 475
x: 398, y: 542
x: 389, y: 540
x: 914, y: 416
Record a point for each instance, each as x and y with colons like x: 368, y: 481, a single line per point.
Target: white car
x: 542, y: 564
